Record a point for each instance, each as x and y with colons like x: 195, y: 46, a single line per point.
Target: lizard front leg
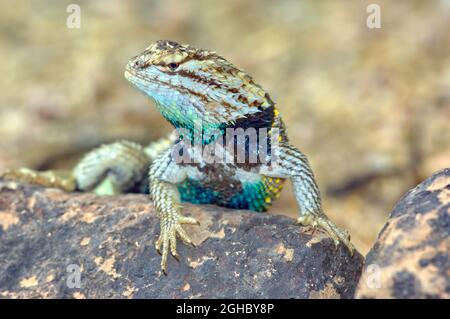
x: 164, y: 174
x: 293, y: 164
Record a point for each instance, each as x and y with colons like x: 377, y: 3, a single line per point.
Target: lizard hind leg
x: 112, y: 168
x: 62, y: 179
x: 119, y: 167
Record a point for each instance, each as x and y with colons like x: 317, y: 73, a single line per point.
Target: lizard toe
x: 337, y: 235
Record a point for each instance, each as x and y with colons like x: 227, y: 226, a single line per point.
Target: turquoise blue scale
x: 193, y: 192
x: 251, y: 197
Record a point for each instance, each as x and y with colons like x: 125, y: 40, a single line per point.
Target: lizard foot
x: 170, y: 229
x: 62, y: 180
x: 337, y: 234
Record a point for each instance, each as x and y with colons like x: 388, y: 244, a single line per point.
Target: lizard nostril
x: 139, y: 64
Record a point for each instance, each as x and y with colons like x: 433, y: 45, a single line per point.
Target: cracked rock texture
x: 48, y: 237
x: 411, y: 257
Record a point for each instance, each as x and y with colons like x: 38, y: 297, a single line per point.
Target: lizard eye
x: 173, y: 66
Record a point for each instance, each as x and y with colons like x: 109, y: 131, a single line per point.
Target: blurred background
x: 370, y: 107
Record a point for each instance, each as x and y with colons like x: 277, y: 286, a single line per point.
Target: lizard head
x: 189, y: 84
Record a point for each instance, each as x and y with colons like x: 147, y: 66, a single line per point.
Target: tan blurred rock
x: 411, y: 257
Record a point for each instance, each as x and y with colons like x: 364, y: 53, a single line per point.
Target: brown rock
x: 411, y: 257
x: 48, y: 237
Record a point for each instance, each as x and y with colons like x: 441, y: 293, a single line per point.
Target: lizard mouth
x: 127, y: 74
x: 142, y: 80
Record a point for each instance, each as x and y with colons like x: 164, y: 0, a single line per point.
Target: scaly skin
x: 188, y: 86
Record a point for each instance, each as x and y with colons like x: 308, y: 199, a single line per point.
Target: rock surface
x: 411, y: 257
x: 47, y: 235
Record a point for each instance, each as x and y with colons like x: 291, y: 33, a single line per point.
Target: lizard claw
x: 337, y: 235
x: 168, y: 238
